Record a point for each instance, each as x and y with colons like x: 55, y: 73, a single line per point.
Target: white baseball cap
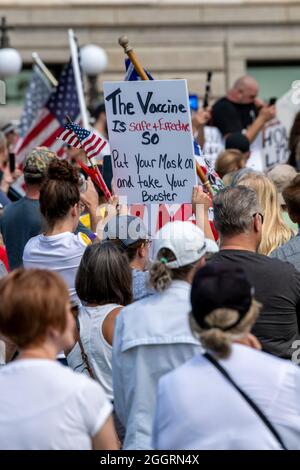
x: 184, y: 239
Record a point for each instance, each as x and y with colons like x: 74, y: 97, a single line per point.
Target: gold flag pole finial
x: 124, y: 42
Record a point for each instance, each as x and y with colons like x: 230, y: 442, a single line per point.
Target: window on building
x: 274, y: 78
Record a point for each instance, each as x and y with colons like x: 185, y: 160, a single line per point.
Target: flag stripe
x: 89, y: 142
x: 39, y: 139
x: 75, y: 142
x: 91, y: 148
x: 44, y: 119
x: 51, y: 138
x: 66, y: 134
x: 97, y: 150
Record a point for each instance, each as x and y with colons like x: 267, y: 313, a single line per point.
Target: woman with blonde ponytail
x: 232, y: 396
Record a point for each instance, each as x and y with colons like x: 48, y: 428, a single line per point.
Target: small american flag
x: 79, y: 137
x: 49, y: 122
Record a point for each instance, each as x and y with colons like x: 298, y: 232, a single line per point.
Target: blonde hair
x: 229, y: 161
x: 274, y: 231
x: 216, y: 339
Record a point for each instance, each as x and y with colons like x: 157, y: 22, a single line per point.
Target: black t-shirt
x: 277, y: 288
x: 231, y: 117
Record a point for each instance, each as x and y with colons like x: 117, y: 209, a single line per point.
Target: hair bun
x: 61, y: 170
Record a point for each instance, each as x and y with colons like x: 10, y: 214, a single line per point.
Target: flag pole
x: 38, y: 61
x: 207, y: 89
x: 124, y: 42
x: 78, y: 80
x: 98, y: 178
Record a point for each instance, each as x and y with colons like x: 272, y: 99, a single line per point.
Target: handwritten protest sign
x: 151, y: 143
x: 273, y: 149
x: 275, y: 145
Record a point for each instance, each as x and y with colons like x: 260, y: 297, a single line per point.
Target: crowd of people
x: 113, y: 337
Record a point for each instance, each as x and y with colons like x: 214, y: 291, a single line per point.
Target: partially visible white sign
x: 213, y: 143
x: 274, y: 149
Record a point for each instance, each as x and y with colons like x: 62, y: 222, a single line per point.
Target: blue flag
x: 131, y: 73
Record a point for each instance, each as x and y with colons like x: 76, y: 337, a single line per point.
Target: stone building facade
x: 178, y: 38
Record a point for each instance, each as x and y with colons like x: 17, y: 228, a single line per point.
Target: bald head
x: 244, y: 90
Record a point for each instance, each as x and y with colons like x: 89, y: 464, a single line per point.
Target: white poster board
x: 273, y: 148
x: 213, y: 143
x: 275, y: 142
x: 152, y: 150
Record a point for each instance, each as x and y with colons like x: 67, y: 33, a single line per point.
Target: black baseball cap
x: 237, y: 141
x: 219, y: 285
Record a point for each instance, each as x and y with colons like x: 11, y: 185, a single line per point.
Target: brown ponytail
x: 60, y: 191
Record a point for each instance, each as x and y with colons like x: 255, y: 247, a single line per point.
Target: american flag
x: 79, y: 137
x: 36, y: 97
x: 49, y: 122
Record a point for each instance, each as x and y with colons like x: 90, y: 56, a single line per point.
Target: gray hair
x: 234, y: 209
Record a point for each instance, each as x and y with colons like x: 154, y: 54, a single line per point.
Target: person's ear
x: 53, y: 335
x: 142, y: 251
x: 201, y: 263
x: 250, y: 340
x: 75, y: 211
x: 257, y: 223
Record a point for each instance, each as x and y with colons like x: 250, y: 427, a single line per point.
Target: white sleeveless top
x: 99, y: 352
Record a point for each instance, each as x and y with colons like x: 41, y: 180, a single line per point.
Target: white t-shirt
x: 60, y: 253
x: 47, y: 406
x: 197, y: 408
